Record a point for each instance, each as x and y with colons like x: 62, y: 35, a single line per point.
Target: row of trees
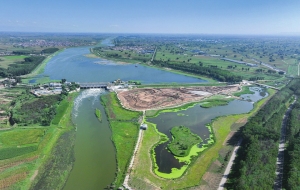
x: 255, y: 164
x: 292, y: 156
x: 22, y: 68
x: 216, y: 73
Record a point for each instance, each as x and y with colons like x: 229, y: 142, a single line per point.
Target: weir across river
x: 93, y: 85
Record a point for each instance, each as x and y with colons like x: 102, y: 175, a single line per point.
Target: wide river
x: 95, y: 164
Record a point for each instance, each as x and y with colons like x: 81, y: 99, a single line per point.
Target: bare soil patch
x: 7, y: 182
x: 159, y: 98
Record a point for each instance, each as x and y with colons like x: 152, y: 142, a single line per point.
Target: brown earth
x: 158, y: 98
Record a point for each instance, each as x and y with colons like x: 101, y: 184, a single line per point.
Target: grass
x: 60, y: 111
x: 245, y: 90
x: 183, y: 141
x: 5, y: 61
x: 221, y: 127
x: 115, y: 111
x: 7, y: 153
x: 215, y: 102
x: 98, y: 114
x: 124, y: 125
x: 21, y: 137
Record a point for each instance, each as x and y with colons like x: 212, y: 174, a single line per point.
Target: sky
x: 243, y: 17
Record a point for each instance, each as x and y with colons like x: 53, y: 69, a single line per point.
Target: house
x: 144, y: 126
x: 54, y: 84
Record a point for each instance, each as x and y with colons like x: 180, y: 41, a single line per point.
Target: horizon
x: 196, y: 17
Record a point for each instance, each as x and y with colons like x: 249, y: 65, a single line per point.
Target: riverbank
x: 125, y: 126
x: 221, y: 128
x: 131, y: 61
x: 40, y: 68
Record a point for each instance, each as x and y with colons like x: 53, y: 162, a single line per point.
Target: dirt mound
x: 158, y: 98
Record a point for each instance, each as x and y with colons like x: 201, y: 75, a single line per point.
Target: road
x: 281, y: 148
x: 140, y: 137
x: 229, y: 165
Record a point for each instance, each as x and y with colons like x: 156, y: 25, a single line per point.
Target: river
x: 95, y: 164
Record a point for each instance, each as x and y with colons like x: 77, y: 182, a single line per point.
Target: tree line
x: 292, y: 154
x: 255, y: 163
x: 22, y: 68
x: 215, y: 73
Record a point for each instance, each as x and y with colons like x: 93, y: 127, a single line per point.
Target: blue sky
x: 155, y: 16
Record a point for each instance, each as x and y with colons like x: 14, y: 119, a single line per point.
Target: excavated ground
x: 159, y: 98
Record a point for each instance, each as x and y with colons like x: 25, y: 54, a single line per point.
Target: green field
x: 124, y: 125
x: 5, y: 61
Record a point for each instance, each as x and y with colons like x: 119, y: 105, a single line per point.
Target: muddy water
x: 95, y: 164
x: 195, y: 118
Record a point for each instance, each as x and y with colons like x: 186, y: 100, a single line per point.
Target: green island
x: 183, y: 141
x: 98, y: 114
x: 215, y: 102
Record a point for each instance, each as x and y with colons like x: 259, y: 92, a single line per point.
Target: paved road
x: 281, y: 147
x: 229, y: 165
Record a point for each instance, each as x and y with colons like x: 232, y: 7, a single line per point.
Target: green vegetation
x: 22, y: 68
x: 245, y: 90
x: 215, y: 102
x: 256, y: 159
x: 20, y: 137
x: 30, y: 110
x: 124, y: 125
x: 6, y: 153
x: 98, y: 114
x: 49, y: 50
x: 183, y: 140
x: 292, y: 155
x: 5, y: 61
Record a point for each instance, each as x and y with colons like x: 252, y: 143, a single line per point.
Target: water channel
x: 95, y: 163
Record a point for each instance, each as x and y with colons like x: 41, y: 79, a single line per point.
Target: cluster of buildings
x: 49, y: 89
x: 138, y: 49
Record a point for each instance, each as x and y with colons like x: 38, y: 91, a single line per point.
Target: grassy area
x: 245, y: 90
x: 98, y: 114
x: 5, y: 61
x: 115, y: 111
x: 124, y: 125
x: 221, y: 127
x: 183, y: 141
x: 215, y: 102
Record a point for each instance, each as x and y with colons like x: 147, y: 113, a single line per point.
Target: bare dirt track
x: 159, y: 98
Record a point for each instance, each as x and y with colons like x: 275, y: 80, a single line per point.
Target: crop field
x: 5, y: 61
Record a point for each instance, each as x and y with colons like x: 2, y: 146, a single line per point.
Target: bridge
x: 93, y: 85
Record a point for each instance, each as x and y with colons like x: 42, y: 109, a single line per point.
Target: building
x: 144, y: 126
